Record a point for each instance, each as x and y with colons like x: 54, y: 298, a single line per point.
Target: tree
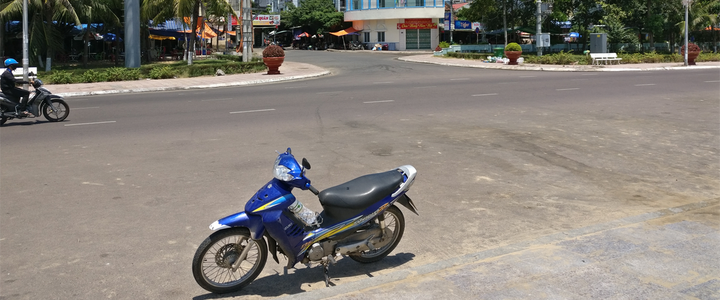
x: 162, y: 10
x: 44, y: 34
x: 316, y: 16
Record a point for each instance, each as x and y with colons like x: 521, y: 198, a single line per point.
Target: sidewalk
x: 667, y: 254
x: 472, y: 63
x: 289, y: 71
x: 295, y: 70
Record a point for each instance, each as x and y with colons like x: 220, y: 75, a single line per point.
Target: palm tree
x: 95, y: 11
x: 161, y: 10
x: 44, y: 34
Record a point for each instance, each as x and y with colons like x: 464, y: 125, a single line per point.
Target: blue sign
x: 477, y: 29
x: 447, y: 15
x: 463, y: 25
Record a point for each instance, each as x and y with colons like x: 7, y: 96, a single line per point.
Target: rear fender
x: 407, y: 202
x: 241, y: 219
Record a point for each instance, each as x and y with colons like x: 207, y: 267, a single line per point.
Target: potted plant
x: 693, y: 52
x: 273, y: 57
x: 513, y: 52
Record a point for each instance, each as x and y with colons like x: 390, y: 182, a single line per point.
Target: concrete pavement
x: 666, y: 254
x: 295, y: 70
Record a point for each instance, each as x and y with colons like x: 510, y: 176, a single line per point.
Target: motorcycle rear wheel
x: 395, y: 223
x: 3, y: 120
x: 214, y: 258
x: 62, y: 111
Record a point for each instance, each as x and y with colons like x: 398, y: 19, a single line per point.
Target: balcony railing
x: 383, y: 4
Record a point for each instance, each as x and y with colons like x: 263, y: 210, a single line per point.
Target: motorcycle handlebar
x: 313, y: 190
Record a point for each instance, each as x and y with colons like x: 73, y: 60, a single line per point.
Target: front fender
x: 241, y: 219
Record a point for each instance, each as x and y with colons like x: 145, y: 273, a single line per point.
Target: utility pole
x: 26, y: 53
x: 687, y: 6
x: 452, y: 22
x: 505, y: 21
x: 538, y: 28
x: 247, y: 30
x: 132, y: 33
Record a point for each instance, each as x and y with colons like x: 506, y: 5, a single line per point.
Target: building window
x: 366, y: 37
x: 381, y: 36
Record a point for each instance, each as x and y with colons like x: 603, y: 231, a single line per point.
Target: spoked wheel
x: 394, y: 228
x: 58, y: 112
x: 216, y: 267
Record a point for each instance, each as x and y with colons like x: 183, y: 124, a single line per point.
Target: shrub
x: 162, y: 72
x: 228, y: 57
x: 122, y: 74
x: 273, y: 51
x: 443, y: 45
x: 201, y: 70
x: 60, y: 77
x: 513, y: 47
x: 92, y: 76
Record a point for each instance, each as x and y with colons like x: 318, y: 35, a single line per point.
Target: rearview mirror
x: 305, y: 164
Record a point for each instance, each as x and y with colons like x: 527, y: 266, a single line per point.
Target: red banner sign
x: 416, y: 26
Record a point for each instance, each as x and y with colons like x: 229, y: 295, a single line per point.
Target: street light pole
x: 538, y: 27
x: 687, y: 4
x: 26, y: 53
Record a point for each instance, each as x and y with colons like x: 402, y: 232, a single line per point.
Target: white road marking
x: 221, y: 99
x: 426, y: 87
x: 251, y: 111
x: 91, y: 123
x: 460, y: 79
x: 76, y: 108
x: 481, y: 95
x: 588, y: 74
x: 383, y: 82
x: 291, y: 87
x: 645, y: 84
x: 713, y: 81
x: 379, y: 101
x: 528, y: 76
x: 333, y: 92
x: 568, y: 89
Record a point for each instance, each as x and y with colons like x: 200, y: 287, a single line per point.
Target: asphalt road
x: 113, y: 202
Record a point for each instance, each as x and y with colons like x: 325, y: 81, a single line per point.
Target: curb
x: 204, y: 86
x: 390, y: 278
x: 553, y: 69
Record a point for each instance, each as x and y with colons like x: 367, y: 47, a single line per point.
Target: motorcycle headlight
x: 282, y: 172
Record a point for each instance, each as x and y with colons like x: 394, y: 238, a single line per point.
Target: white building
x: 401, y: 24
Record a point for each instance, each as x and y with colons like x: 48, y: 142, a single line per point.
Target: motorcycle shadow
x: 278, y: 284
x: 25, y: 122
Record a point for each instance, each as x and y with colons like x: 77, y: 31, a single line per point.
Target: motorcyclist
x: 8, y: 85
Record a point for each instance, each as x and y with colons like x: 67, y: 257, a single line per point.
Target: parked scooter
x: 359, y: 220
x: 355, y: 45
x: 53, y: 107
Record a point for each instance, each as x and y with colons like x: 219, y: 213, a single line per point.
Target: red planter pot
x: 513, y: 56
x: 692, y: 55
x: 273, y: 63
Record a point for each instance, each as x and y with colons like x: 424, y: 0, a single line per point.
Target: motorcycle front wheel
x: 216, y: 258
x: 59, y: 113
x: 395, y: 226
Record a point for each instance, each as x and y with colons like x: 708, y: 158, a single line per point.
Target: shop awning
x: 205, y: 31
x: 344, y: 32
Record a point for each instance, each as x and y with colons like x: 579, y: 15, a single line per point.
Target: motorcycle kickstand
x: 326, y: 261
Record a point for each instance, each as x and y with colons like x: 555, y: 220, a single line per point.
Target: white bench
x: 604, y: 57
x: 18, y: 73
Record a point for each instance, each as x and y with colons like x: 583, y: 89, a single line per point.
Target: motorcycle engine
x: 316, y: 252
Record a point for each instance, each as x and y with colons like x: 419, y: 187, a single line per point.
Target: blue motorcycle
x: 359, y: 220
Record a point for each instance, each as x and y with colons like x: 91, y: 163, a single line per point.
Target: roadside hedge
x: 568, y: 58
x: 231, y: 65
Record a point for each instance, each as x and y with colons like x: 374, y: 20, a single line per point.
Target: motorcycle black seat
x: 351, y: 198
